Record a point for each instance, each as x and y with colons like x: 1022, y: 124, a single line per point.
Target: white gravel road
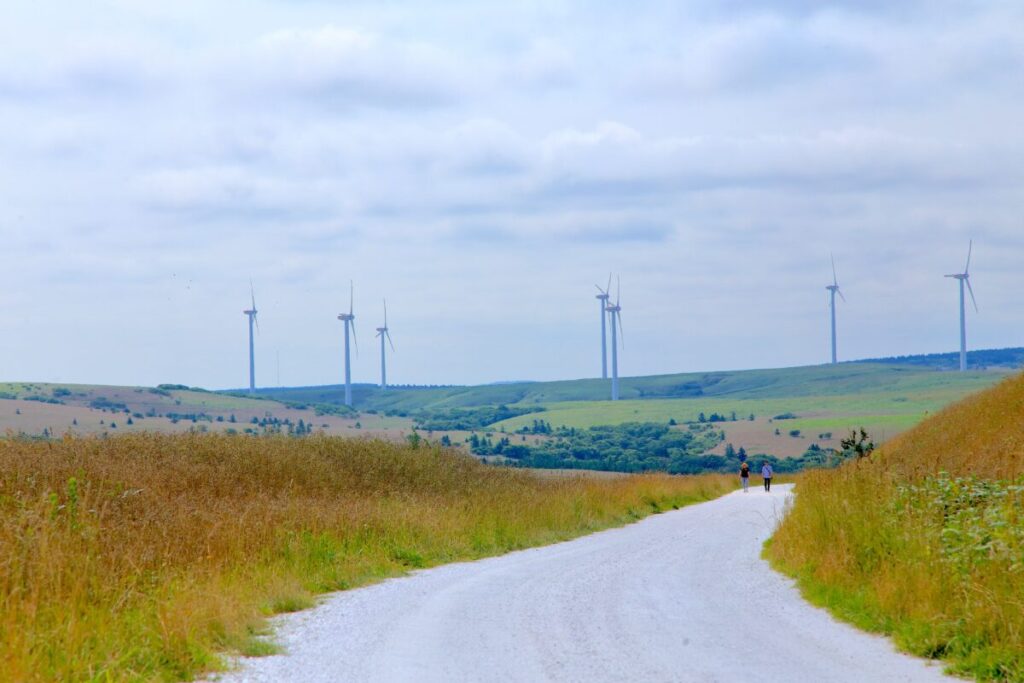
x: 681, y: 596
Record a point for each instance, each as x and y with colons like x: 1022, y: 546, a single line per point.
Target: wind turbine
x: 615, y: 313
x: 602, y: 299
x: 350, y: 322
x: 965, y: 278
x: 252, y: 355
x: 383, y: 332
x: 833, y: 289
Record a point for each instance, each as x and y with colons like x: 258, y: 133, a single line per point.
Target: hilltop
x: 816, y: 380
x: 49, y: 410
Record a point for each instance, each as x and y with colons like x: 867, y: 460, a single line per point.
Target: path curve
x: 682, y: 596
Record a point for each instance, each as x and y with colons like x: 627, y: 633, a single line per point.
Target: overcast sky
x: 483, y: 165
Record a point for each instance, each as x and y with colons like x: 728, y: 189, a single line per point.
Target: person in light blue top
x: 766, y: 473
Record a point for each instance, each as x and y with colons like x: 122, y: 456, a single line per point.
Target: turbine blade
x: 835, y: 280
x: 388, y: 333
x: 385, y: 313
x: 840, y: 293
x: 351, y: 296
x: 252, y: 293
x: 608, y: 289
x: 622, y: 333
x: 256, y: 319
x: 355, y: 340
x: 600, y: 290
x: 973, y: 300
x: 970, y: 248
x: 618, y: 289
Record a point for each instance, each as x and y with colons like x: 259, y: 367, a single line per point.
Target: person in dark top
x: 745, y: 475
x: 766, y: 472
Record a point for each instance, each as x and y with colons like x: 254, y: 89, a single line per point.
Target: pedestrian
x: 745, y: 475
x: 766, y: 472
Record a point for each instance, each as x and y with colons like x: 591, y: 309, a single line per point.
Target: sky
x: 482, y: 165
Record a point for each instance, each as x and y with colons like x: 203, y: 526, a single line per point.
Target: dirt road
x: 682, y: 596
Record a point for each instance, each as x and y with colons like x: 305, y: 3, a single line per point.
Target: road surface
x: 682, y: 596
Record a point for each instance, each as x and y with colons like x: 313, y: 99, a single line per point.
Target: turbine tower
x: 350, y: 323
x: 602, y: 299
x: 965, y: 278
x: 833, y: 289
x: 615, y: 313
x: 383, y: 332
x: 251, y: 313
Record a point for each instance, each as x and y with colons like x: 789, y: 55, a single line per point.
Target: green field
x: 812, y: 381
x: 899, y: 406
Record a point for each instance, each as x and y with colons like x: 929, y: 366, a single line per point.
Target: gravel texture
x: 681, y: 596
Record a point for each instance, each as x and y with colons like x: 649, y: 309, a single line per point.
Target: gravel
x: 681, y: 596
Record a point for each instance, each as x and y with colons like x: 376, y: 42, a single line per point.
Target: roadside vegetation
x: 143, y: 556
x: 924, y: 538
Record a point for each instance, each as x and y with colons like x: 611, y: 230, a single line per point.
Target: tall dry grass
x: 143, y: 556
x: 925, y: 540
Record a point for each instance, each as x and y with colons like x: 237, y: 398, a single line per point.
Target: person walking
x: 745, y: 476
x: 766, y: 473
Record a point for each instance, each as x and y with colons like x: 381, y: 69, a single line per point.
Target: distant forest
x: 635, y: 447
x: 977, y: 360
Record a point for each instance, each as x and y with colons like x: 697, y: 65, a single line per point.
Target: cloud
x: 340, y: 68
x: 437, y: 153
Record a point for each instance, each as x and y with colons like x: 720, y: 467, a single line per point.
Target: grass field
x: 885, y: 413
x: 142, y: 557
x: 925, y: 539
x: 810, y: 381
x: 38, y: 409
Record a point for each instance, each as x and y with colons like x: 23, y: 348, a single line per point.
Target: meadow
x: 808, y: 381
x: 884, y: 413
x: 148, y: 556
x: 924, y: 540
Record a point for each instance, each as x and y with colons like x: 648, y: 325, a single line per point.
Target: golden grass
x: 925, y: 540
x: 141, y: 557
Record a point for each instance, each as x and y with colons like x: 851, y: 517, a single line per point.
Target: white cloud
x: 483, y: 165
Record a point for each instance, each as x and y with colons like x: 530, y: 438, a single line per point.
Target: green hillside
x: 785, y: 383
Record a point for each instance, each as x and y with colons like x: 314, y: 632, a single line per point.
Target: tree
x: 742, y: 454
x: 860, y: 444
x: 730, y: 452
x: 702, y: 418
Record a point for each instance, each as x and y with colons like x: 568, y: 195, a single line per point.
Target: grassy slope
x: 885, y: 402
x: 140, y: 557
x: 935, y: 560
x: 81, y: 411
x: 813, y: 381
